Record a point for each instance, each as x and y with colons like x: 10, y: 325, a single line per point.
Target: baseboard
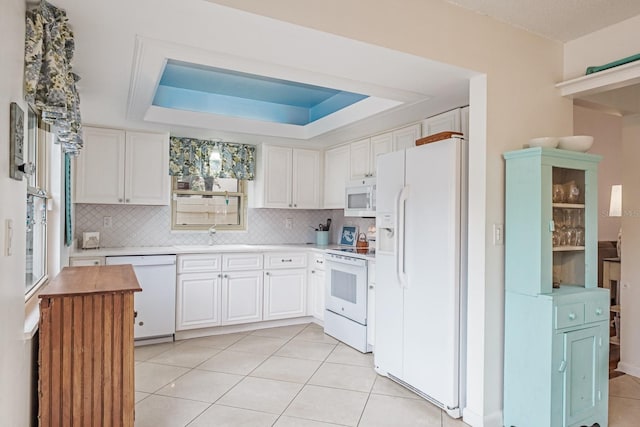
x: 477, y: 420
x: 243, y: 327
x: 628, y: 369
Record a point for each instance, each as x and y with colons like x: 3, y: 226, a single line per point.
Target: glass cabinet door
x: 568, y: 235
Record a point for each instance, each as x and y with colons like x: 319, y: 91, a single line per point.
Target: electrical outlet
x: 107, y: 222
x: 288, y: 223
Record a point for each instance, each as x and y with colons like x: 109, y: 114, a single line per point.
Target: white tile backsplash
x: 151, y: 226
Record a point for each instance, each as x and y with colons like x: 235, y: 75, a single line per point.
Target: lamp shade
x: 615, y: 207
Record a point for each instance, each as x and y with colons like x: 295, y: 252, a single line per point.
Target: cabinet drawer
x: 316, y: 261
x: 241, y: 261
x: 596, y: 311
x: 86, y: 261
x: 198, y: 263
x: 569, y: 315
x: 285, y: 260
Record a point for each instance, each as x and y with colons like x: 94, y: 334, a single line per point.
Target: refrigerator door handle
x: 400, y: 264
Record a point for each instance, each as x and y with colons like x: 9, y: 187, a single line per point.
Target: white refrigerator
x: 421, y: 270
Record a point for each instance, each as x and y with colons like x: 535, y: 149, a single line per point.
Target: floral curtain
x: 49, y: 82
x: 206, y: 159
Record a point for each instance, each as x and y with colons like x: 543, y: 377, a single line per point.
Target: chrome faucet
x: 212, y: 231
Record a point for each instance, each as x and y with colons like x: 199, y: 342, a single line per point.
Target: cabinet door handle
x: 120, y: 200
x: 226, y: 276
x: 319, y: 261
x: 563, y: 366
x: 220, y: 275
x: 572, y: 316
x: 141, y: 323
x: 598, y: 311
x: 289, y: 204
x: 135, y: 314
x: 295, y: 205
x: 313, y: 271
x: 287, y: 260
x: 127, y: 200
x: 267, y: 273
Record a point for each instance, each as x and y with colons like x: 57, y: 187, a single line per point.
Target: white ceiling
x: 121, y: 46
x: 561, y: 20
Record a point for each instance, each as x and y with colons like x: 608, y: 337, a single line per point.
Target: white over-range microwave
x: 360, y: 198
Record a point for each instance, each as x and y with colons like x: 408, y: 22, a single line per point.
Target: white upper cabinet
x: 277, y: 177
x: 363, y: 154
x: 359, y: 159
x: 99, y: 171
x: 147, y: 169
x: 380, y: 144
x: 336, y: 175
x: 406, y: 137
x: 121, y: 167
x: 448, y: 121
x: 306, y: 179
x: 290, y: 178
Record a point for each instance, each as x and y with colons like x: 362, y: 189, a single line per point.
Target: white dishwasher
x: 155, y: 306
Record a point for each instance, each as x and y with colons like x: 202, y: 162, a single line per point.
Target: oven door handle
x: 400, y: 264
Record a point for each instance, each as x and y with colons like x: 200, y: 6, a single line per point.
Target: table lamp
x: 615, y: 209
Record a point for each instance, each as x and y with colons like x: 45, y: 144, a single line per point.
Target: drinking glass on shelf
x: 558, y: 193
x: 579, y: 237
x: 570, y: 217
x: 572, y: 193
x: 570, y: 236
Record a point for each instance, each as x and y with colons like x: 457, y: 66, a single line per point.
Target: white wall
x: 14, y: 350
x: 601, y: 47
x: 607, y: 132
x: 521, y: 102
x: 630, y: 290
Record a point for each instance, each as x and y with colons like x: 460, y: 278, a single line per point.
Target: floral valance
x: 49, y: 82
x: 204, y: 158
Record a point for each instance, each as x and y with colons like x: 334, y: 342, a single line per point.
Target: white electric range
x: 346, y: 295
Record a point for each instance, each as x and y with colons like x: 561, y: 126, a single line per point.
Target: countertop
x: 92, y: 280
x: 199, y: 249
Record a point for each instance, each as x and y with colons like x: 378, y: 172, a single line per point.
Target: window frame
x: 243, y: 198
x: 40, y: 158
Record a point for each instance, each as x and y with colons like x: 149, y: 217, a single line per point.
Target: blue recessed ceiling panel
x: 199, y: 88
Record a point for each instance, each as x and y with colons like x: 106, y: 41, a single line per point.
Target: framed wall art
x: 349, y: 235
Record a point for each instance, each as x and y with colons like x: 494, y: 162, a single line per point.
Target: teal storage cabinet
x: 556, y: 318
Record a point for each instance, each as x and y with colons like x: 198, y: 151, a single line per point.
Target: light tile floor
x: 292, y: 376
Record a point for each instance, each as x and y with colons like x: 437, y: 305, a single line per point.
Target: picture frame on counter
x: 348, y: 235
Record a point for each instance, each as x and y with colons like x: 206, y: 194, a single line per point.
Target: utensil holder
x: 322, y: 238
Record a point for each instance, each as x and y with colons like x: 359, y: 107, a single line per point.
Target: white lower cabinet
x: 235, y: 288
x: 242, y: 297
x: 198, y: 289
x: 198, y: 300
x: 285, y: 293
x: 371, y: 303
x: 316, y: 286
